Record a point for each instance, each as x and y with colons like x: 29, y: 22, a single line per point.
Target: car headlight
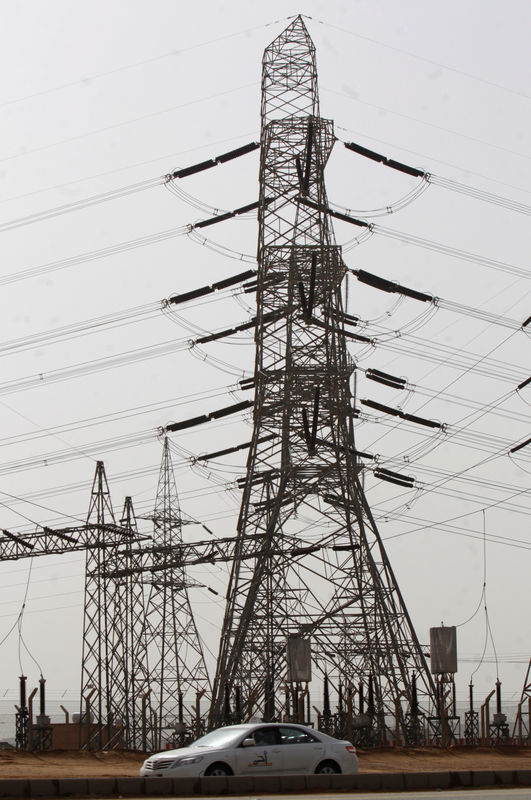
x: 187, y: 760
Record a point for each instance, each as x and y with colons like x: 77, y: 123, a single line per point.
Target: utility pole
x: 309, y: 564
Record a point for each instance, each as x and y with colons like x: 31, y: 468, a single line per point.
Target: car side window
x: 295, y: 736
x: 268, y: 736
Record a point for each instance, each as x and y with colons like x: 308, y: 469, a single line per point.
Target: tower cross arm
x: 51, y: 541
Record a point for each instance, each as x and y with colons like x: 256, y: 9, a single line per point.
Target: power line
x: 425, y: 60
x: 134, y: 65
x: 458, y: 134
x: 132, y: 121
x: 125, y: 191
x: 126, y: 168
x: 433, y: 159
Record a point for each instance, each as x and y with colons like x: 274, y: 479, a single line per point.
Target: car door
x: 301, y: 749
x: 264, y: 757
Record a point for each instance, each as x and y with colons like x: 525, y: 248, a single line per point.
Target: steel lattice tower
x: 104, y: 654
x: 177, y: 666
x: 133, y: 675
x: 309, y: 560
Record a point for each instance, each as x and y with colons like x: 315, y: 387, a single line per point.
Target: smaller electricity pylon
x: 110, y: 655
x: 178, y: 673
x: 522, y: 726
x: 131, y: 683
x: 114, y: 667
x: 102, y: 645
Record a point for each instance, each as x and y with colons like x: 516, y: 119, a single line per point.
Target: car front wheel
x: 218, y: 770
x: 327, y: 768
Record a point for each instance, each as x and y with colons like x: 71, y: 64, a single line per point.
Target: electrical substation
x: 312, y: 599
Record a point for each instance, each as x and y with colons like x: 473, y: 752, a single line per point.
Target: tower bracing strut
x: 309, y: 563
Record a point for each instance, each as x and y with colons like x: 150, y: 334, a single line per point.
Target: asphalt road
x: 454, y: 794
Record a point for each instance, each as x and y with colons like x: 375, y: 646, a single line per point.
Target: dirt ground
x: 71, y: 764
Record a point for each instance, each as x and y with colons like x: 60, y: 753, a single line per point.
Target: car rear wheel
x: 327, y: 768
x: 218, y: 770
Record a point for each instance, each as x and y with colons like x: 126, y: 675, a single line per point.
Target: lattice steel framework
x: 321, y: 571
x: 522, y: 723
x: 103, y: 654
x: 131, y: 679
x: 178, y: 671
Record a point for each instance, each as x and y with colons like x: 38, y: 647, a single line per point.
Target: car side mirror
x: 248, y: 743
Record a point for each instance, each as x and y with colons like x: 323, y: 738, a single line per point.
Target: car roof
x: 259, y: 724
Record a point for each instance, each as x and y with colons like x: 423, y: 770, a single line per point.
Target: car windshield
x: 220, y: 738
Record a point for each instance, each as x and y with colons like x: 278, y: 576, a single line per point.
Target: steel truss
x: 308, y: 560
x: 104, y: 655
x: 112, y: 660
x: 131, y: 679
x: 115, y: 670
x: 522, y: 723
x: 178, y: 674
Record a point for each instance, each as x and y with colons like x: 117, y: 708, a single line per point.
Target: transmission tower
x: 178, y: 674
x: 522, y: 726
x: 104, y: 654
x: 131, y: 679
x: 309, y: 561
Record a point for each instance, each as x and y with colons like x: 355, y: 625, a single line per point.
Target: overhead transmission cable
x: 475, y: 139
x: 120, y: 318
x: 484, y: 583
x: 458, y: 428
x: 21, y: 642
x: 480, y: 441
x: 123, y: 414
x: 437, y: 353
x: 115, y: 443
x: 416, y: 57
x: 172, y: 54
x: 413, y: 452
x: 433, y: 487
x: 437, y: 180
x: 192, y: 230
x: 87, y: 202
x: 121, y: 247
x: 124, y: 191
x: 169, y: 180
x: 18, y: 622
x: 475, y: 366
x: 106, y: 173
x: 434, y: 159
x: 426, y: 525
x: 121, y: 124
x: 418, y: 241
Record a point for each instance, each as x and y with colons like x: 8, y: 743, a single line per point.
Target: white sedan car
x: 256, y: 749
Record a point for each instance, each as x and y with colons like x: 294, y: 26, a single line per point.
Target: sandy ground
x: 73, y: 764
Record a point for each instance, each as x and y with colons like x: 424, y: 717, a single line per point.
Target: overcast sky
x: 103, y: 96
